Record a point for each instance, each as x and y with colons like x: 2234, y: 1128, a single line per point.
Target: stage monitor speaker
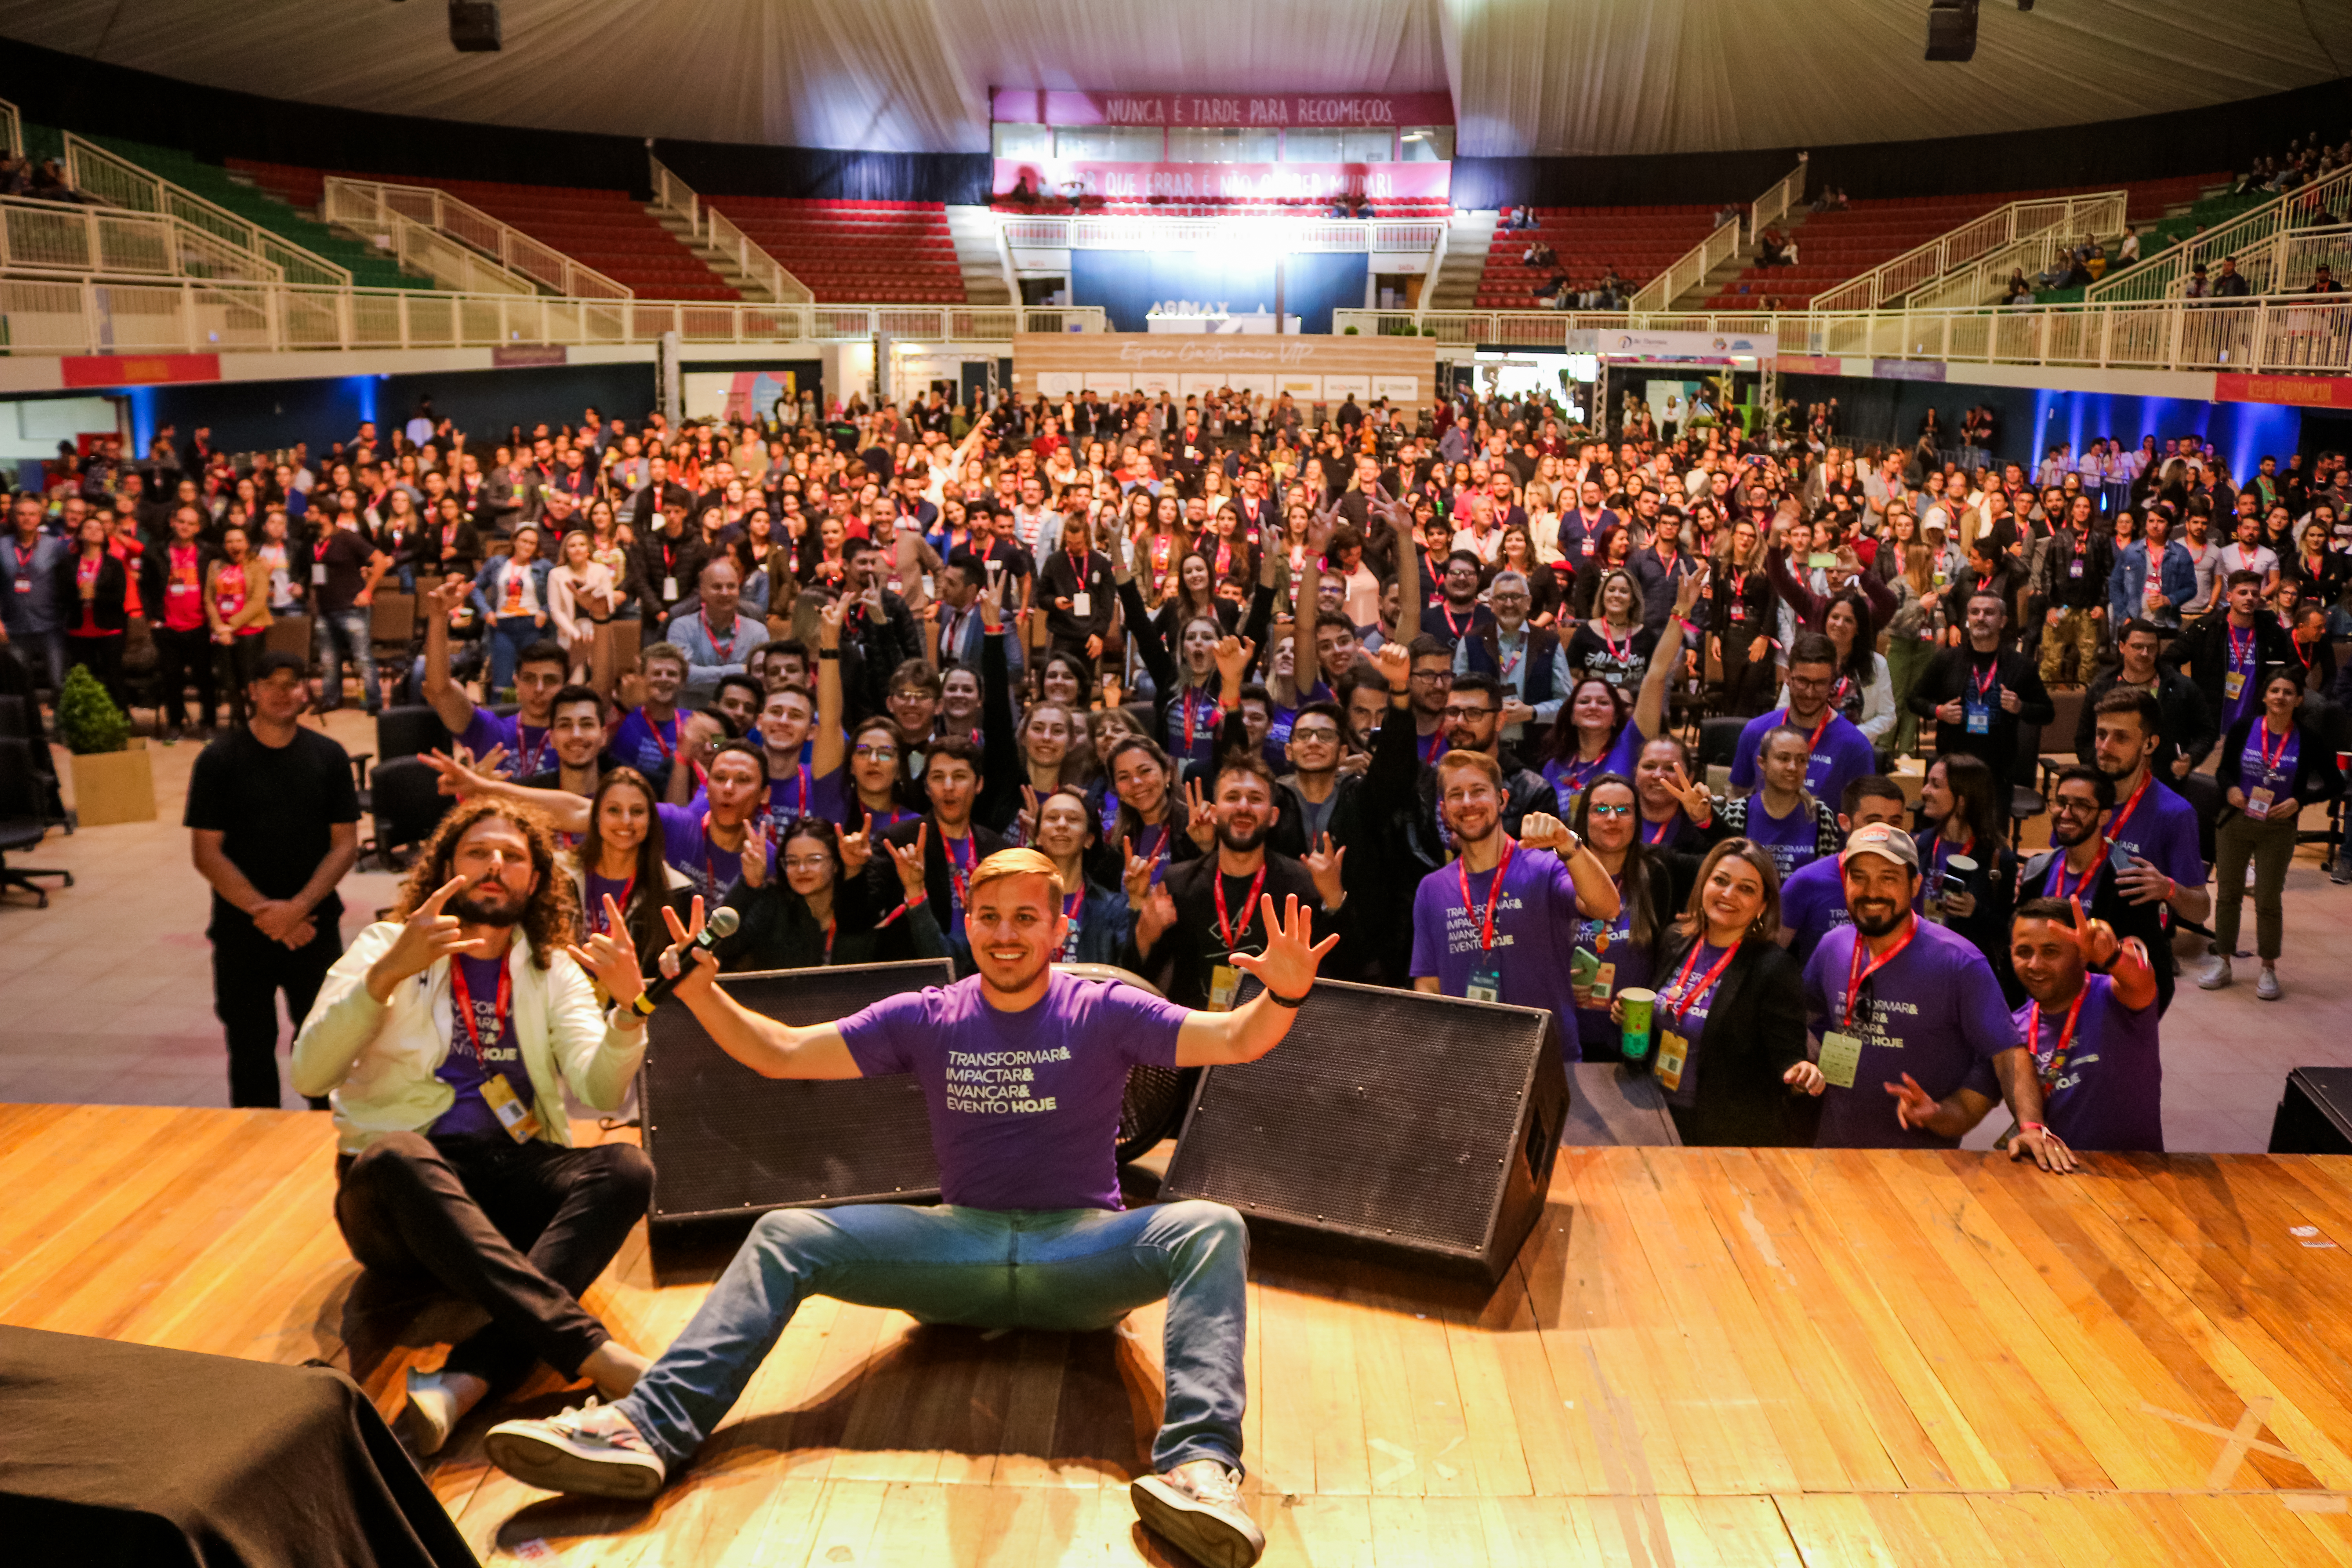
x: 2315, y: 1115
x: 725, y: 1141
x: 1952, y: 30
x: 1415, y: 1128
x: 474, y: 25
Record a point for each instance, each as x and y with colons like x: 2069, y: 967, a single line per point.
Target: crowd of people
x: 1434, y: 677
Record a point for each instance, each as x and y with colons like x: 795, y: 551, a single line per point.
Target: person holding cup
x: 1967, y: 880
x: 1618, y: 953
x: 1728, y: 1024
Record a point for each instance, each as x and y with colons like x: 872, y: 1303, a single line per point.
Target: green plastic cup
x: 1638, y: 1004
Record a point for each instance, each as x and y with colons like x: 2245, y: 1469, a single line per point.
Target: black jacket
x: 1755, y: 1032
x: 882, y: 890
x: 2188, y: 726
x: 107, y: 609
x: 2203, y: 650
x: 1949, y: 675
x: 778, y: 932
x: 650, y: 565
x: 1182, y: 960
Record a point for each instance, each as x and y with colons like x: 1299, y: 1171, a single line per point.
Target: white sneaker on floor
x: 1197, y: 1507
x: 2267, y: 985
x: 591, y: 1449
x: 430, y: 1415
x: 2216, y: 975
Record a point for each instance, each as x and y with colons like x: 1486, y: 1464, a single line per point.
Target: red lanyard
x: 1814, y: 740
x: 1617, y: 654
x: 1191, y: 714
x: 2241, y: 653
x: 596, y: 921
x: 832, y: 924
x: 1681, y: 996
x: 1655, y: 833
x: 1984, y: 682
x: 1249, y: 907
x: 1856, y: 975
x: 726, y: 651
x: 2262, y: 743
x: 661, y: 740
x: 1939, y: 854
x: 2081, y: 888
x: 1494, y: 893
x: 2049, y: 1074
x: 709, y: 865
x: 461, y: 999
x: 527, y: 763
x: 960, y: 874
x: 2115, y: 828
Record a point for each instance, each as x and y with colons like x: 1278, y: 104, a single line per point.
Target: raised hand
x: 828, y: 627
x: 2095, y: 940
x: 1199, y: 817
x: 425, y: 937
x: 1913, y: 1105
x: 1686, y: 594
x: 1136, y: 879
x: 1323, y: 864
x: 1234, y: 656
x: 449, y: 594
x: 1693, y: 798
x: 609, y: 956
x: 1292, y: 954
x: 1028, y: 818
x: 456, y: 778
x: 1393, y: 659
x: 911, y: 868
x: 682, y: 935
x: 857, y: 848
x: 1539, y: 830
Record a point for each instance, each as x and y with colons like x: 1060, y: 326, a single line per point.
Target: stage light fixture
x: 1952, y: 29
x: 474, y: 25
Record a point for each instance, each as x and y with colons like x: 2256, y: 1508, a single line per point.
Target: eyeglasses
x: 875, y: 754
x: 1611, y: 810
x: 1446, y: 676
x: 809, y: 863
x: 1456, y: 710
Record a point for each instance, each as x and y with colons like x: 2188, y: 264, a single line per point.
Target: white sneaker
x: 430, y: 1415
x: 591, y: 1450
x: 2216, y: 975
x: 2267, y: 985
x: 1197, y: 1507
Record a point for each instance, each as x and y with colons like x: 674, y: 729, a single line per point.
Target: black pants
x: 103, y: 654
x: 179, y: 658
x: 519, y: 1229
x: 236, y: 660
x: 248, y: 972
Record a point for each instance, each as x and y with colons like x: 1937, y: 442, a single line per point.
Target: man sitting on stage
x: 1025, y: 1070
x: 445, y: 1043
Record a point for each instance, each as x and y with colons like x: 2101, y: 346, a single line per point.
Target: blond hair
x: 1013, y: 863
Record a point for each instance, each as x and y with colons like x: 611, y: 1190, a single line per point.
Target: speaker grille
x: 724, y: 1140
x: 1389, y: 1116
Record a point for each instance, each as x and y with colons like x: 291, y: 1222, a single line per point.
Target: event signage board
x: 1615, y: 343
x: 1225, y: 181
x: 1402, y: 370
x: 2296, y: 390
x: 1284, y: 110
x: 137, y: 370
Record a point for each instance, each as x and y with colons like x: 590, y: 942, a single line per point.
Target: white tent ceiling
x: 1527, y: 76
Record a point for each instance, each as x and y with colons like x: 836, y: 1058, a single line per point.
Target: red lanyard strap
x: 1494, y: 893
x: 2115, y: 828
x: 1249, y: 907
x: 960, y: 869
x: 1681, y: 996
x: 1856, y: 975
x: 2057, y: 1063
x: 596, y: 921
x: 2262, y: 743
x: 461, y: 998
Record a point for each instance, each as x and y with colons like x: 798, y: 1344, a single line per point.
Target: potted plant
x: 114, y: 778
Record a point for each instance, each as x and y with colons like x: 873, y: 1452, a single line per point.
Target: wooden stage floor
x: 1703, y: 1357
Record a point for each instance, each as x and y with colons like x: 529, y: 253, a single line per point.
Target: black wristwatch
x: 1292, y: 1003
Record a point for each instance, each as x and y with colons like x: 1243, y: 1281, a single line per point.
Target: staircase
x: 980, y: 254
x: 727, y: 270
x: 2257, y: 229
x: 1468, y: 238
x: 735, y: 260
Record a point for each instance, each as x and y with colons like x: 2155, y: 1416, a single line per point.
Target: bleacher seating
x: 868, y: 253
x: 1835, y: 247
x: 1639, y: 242
x: 604, y: 229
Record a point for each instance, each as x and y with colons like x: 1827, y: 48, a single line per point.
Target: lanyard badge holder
x: 1485, y: 982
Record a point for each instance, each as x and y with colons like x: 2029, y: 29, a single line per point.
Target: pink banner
x: 1226, y: 182
x: 1299, y: 110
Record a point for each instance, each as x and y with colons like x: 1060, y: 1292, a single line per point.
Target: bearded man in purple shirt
x: 1024, y: 1070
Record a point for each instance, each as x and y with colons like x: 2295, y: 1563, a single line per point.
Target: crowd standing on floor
x: 1434, y: 674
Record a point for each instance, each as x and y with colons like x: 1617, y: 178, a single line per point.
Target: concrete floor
x: 107, y: 995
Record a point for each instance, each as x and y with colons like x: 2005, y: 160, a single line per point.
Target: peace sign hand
x: 609, y: 956
x: 1028, y: 818
x: 1292, y: 954
x: 1913, y: 1105
x: 1693, y: 798
x: 1199, y: 817
x: 1323, y: 864
x: 425, y: 937
x: 2095, y: 940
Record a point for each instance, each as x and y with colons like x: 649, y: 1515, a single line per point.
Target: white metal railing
x: 110, y: 178
x: 713, y: 230
x: 2256, y: 239
x: 1144, y: 232
x: 362, y: 203
x: 1891, y: 280
x: 12, y: 130
x: 2275, y: 334
x: 1980, y: 282
x: 1777, y: 203
x: 57, y: 236
x: 151, y: 315
x: 421, y: 250
x: 1688, y: 270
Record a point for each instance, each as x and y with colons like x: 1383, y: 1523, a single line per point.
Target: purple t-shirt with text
x: 470, y: 1115
x: 1570, y: 779
x: 1794, y: 840
x: 2109, y: 1093
x: 1842, y: 755
x: 528, y: 748
x: 1812, y: 904
x: 1535, y: 932
x: 1934, y: 1012
x: 688, y: 846
x: 1024, y: 1106
x: 2162, y: 830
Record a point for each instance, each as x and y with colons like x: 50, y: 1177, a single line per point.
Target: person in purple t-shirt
x: 1837, y: 750
x: 2151, y: 824
x: 1024, y: 1070
x: 2093, y: 1035
x: 1812, y: 898
x: 541, y: 671
x: 1899, y: 1004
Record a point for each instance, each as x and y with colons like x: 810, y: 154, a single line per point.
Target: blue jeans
x: 348, y: 634
x: 1068, y: 1269
x: 509, y: 635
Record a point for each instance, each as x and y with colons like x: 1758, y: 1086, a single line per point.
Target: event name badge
x: 319, y: 573
x: 2233, y: 685
x: 1673, y: 1050
x: 1486, y: 985
x: 1841, y: 1058
x: 1979, y: 716
x: 1082, y: 604
x: 520, y: 1123
x: 1224, y: 988
x: 669, y: 588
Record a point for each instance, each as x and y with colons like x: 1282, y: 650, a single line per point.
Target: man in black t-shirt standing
x: 273, y: 816
x: 345, y: 566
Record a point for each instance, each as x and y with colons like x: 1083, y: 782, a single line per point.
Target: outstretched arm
x: 1649, y: 702
x: 768, y: 1047
x: 1287, y: 968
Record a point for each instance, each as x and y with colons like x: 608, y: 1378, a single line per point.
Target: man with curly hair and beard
x: 443, y: 1039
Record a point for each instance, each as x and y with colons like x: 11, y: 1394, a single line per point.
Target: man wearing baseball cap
x: 1917, y: 1043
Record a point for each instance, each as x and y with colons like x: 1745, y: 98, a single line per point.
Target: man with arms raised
x: 1899, y: 1003
x: 541, y: 671
x: 1024, y: 1070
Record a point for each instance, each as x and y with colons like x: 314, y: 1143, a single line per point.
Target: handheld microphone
x: 716, y: 930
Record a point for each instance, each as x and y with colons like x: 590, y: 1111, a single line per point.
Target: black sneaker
x: 1197, y: 1508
